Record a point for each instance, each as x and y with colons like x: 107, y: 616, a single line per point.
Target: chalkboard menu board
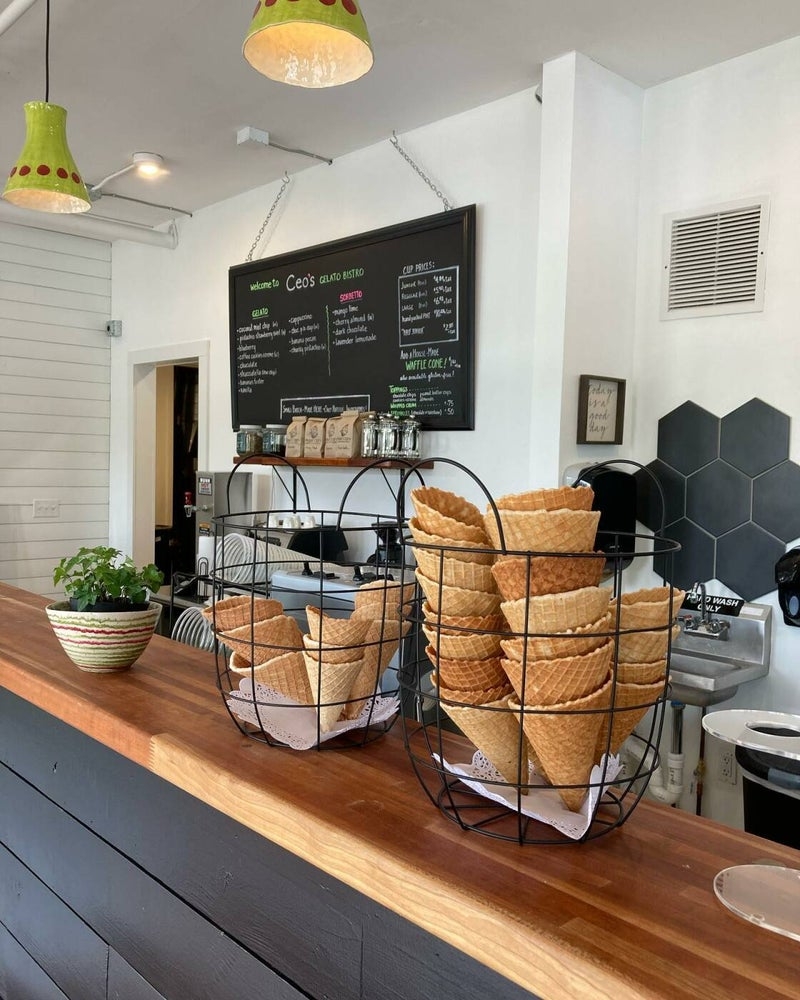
x: 381, y: 321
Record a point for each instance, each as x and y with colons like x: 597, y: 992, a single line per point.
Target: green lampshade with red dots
x: 309, y: 43
x: 45, y: 177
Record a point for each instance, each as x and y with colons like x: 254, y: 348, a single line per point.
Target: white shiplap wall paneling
x: 55, y: 300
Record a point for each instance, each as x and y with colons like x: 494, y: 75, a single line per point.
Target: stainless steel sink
x: 706, y: 668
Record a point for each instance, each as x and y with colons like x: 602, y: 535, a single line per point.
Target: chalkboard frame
x: 465, y: 217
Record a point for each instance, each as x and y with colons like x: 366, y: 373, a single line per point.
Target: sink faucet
x: 705, y: 625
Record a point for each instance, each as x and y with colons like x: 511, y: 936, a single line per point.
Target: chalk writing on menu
x: 601, y: 411
x: 381, y: 321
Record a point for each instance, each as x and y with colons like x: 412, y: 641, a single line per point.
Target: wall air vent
x: 714, y: 260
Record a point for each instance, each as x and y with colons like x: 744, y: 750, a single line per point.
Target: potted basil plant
x: 108, y: 618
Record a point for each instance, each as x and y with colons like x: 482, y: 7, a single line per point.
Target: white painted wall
x: 488, y: 156
x: 54, y: 399
x: 726, y: 133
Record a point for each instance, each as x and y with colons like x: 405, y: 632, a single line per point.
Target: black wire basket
x: 517, y: 709
x: 308, y: 633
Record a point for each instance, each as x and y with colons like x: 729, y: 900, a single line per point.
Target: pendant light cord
x: 47, y: 56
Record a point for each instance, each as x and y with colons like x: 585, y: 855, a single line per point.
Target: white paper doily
x: 296, y: 725
x: 542, y: 803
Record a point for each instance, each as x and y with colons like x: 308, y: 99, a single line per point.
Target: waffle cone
x: 631, y: 703
x: 233, y: 612
x: 495, y: 731
x: 455, y: 572
x: 461, y: 697
x: 454, y: 548
x: 457, y: 601
x: 381, y: 643
x: 549, y: 682
x: 342, y: 632
x: 467, y: 675
x: 261, y: 641
x: 330, y: 685
x: 558, y: 498
x: 645, y: 647
x: 550, y: 613
x: 546, y: 575
x: 285, y: 673
x: 564, y: 741
x: 650, y: 608
x: 544, y: 530
x: 430, y: 501
x: 457, y: 645
x: 383, y: 598
x: 464, y: 623
x: 571, y: 642
x: 642, y: 673
x: 330, y: 653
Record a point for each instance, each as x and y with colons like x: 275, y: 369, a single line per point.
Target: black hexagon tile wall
x: 730, y: 495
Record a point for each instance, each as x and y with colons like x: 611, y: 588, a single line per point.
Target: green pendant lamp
x: 45, y: 177
x: 309, y: 43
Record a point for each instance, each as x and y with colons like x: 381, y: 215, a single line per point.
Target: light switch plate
x: 46, y: 509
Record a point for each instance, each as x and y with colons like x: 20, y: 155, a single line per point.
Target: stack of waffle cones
x: 558, y: 656
x: 334, y: 657
x: 463, y: 626
x: 645, y: 626
x: 265, y: 643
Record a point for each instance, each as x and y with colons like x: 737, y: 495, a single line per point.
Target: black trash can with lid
x: 771, y: 795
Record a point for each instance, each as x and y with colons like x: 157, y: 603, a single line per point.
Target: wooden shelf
x: 332, y: 463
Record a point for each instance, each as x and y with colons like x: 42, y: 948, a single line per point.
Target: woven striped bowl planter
x: 103, y: 642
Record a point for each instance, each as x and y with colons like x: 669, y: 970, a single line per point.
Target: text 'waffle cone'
x: 556, y: 612
x: 565, y: 740
x: 330, y: 685
x: 518, y: 576
x: 548, y: 682
x: 495, y: 731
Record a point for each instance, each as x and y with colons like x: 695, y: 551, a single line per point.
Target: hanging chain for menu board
x: 286, y: 182
x: 396, y: 143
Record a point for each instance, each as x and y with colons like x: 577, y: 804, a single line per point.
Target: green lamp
x: 309, y: 43
x: 45, y: 177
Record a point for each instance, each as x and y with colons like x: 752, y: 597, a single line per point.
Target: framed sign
x: 601, y: 409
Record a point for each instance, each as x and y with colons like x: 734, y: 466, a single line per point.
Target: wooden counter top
x: 629, y: 915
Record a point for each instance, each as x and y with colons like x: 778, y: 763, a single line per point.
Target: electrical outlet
x: 46, y: 509
x: 726, y: 770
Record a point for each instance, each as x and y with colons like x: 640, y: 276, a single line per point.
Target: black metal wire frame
x: 428, y: 731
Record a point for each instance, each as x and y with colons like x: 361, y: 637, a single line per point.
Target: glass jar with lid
x: 388, y: 435
x: 249, y: 440
x: 274, y: 439
x: 369, y: 434
x: 410, y: 437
